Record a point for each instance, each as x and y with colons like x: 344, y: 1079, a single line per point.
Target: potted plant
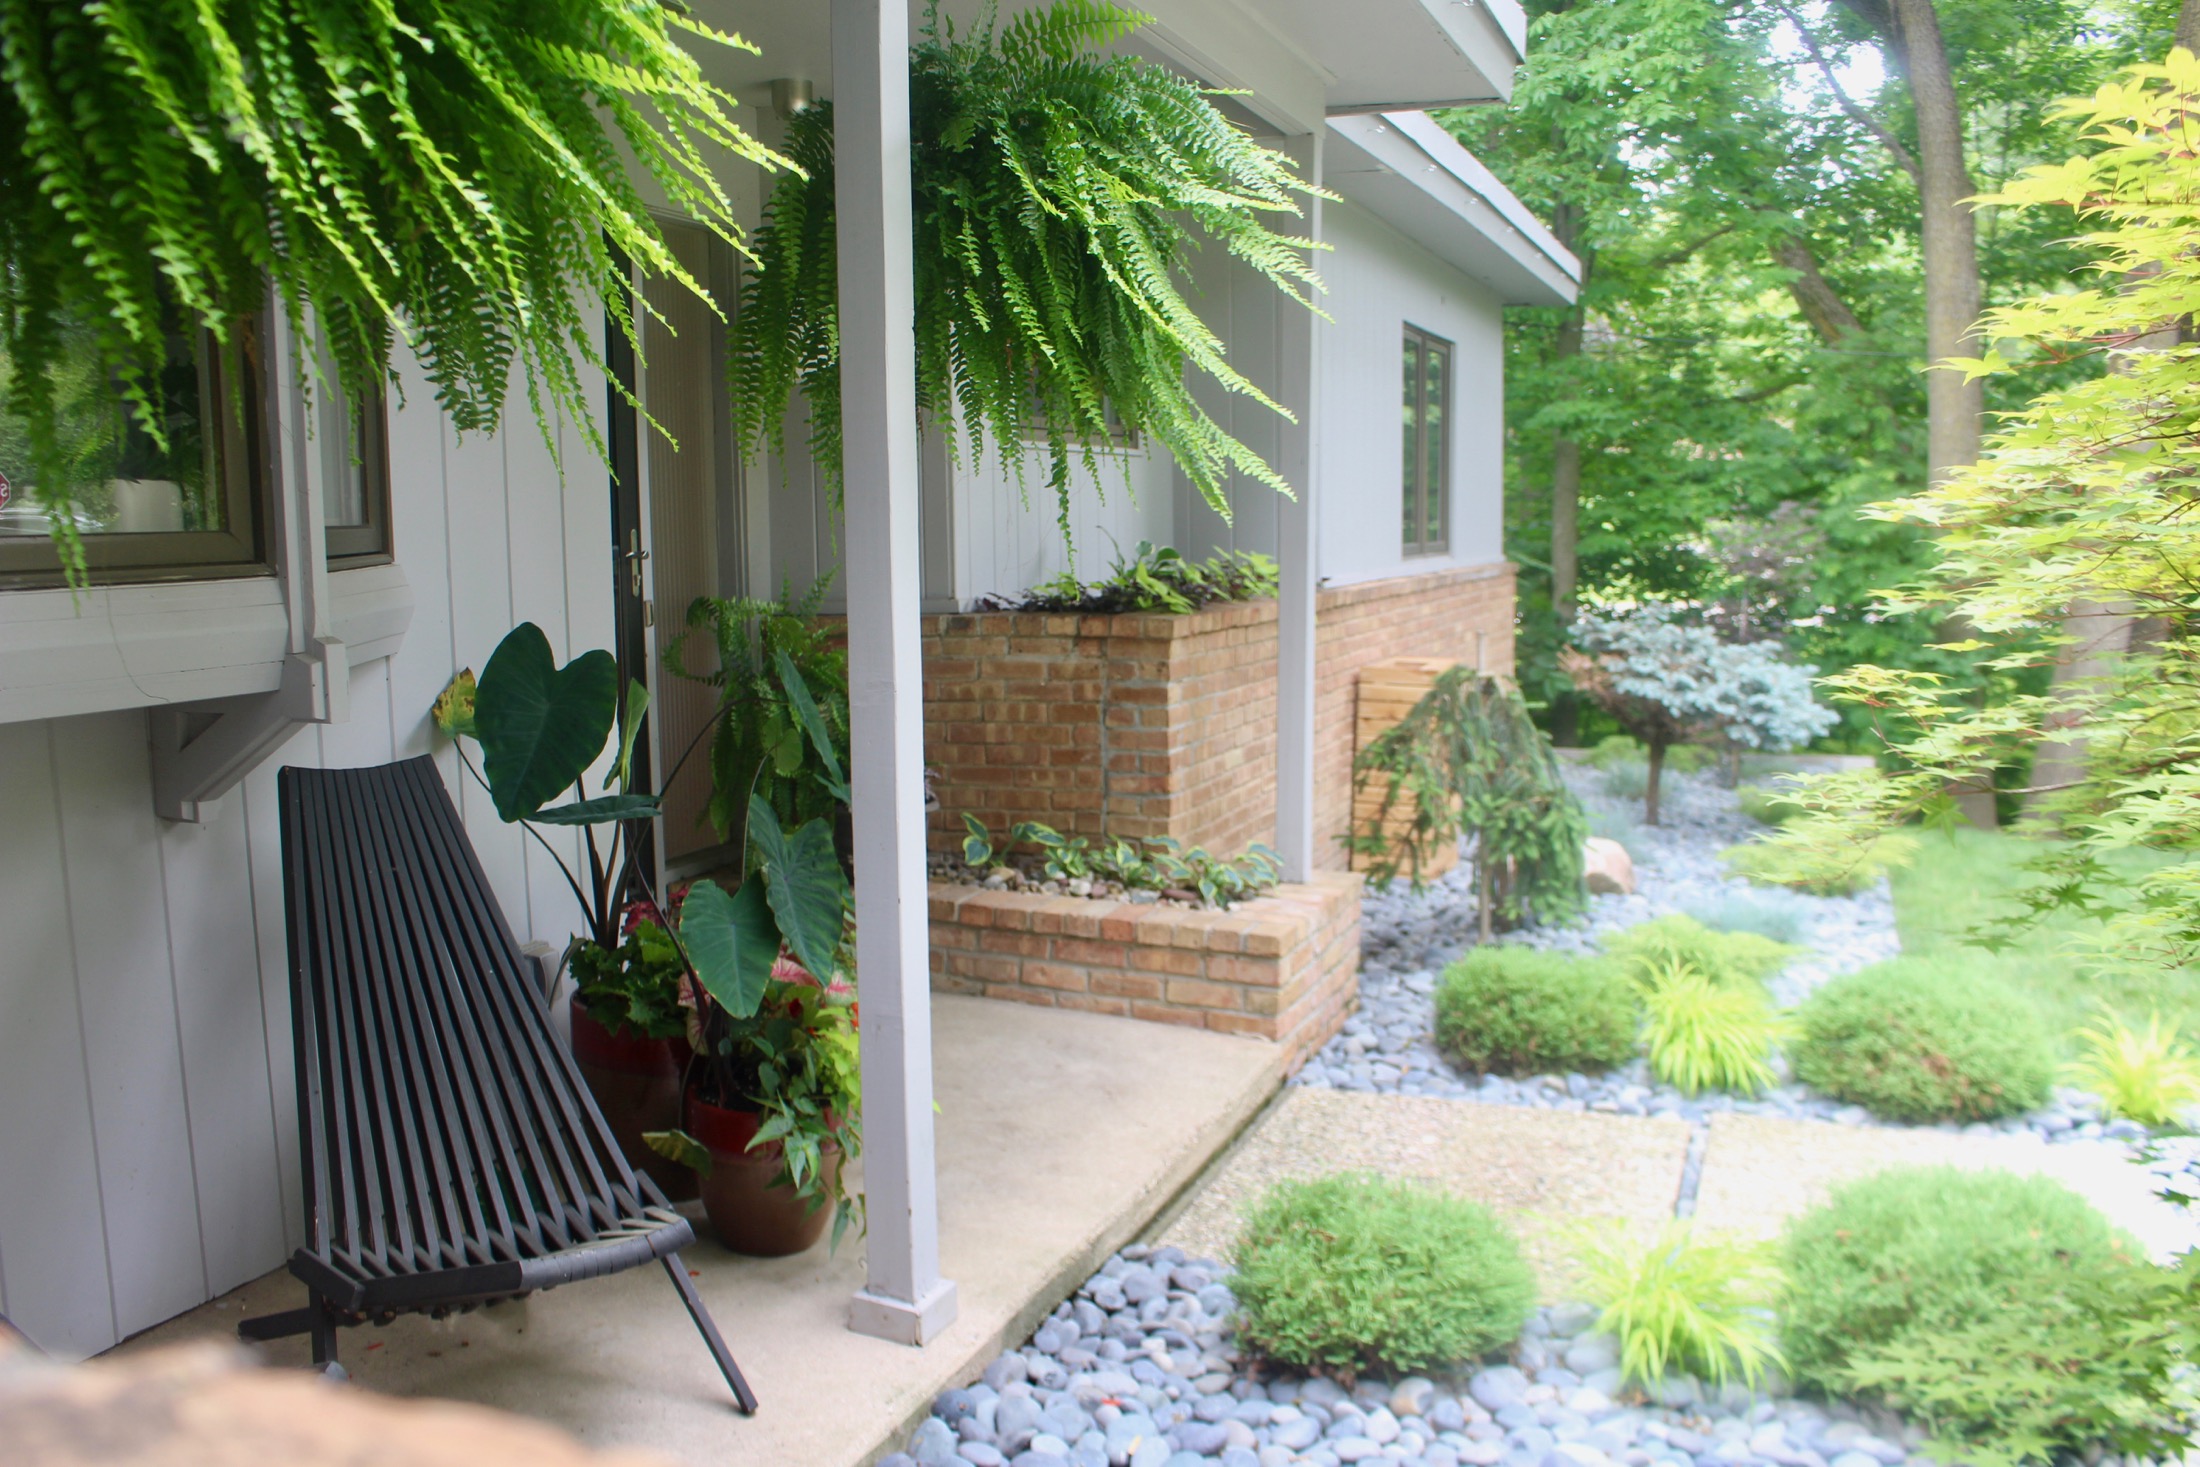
x: 773, y: 1116
x: 630, y: 1036
x: 718, y: 956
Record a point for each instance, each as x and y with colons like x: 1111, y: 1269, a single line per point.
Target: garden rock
x: 1606, y: 868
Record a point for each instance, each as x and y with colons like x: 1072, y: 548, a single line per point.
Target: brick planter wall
x: 1136, y: 726
x: 1282, y: 967
x: 1434, y: 615
x: 1166, y: 725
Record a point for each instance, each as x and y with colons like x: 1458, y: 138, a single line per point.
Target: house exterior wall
x: 1147, y: 726
x: 1138, y: 726
x: 148, y: 1156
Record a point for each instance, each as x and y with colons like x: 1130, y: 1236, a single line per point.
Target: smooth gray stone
x: 1498, y: 1387
x: 981, y: 1454
x: 934, y: 1444
x: 1201, y: 1438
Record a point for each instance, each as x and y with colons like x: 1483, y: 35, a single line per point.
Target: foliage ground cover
x: 1728, y: 959
x: 1520, y: 1011
x: 1963, y: 884
x: 1354, y: 1272
x: 1685, y: 1302
x: 1925, y: 1039
x: 2002, y: 1312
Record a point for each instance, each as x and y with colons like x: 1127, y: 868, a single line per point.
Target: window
x: 195, y: 508
x: 355, y: 484
x: 1427, y: 446
x: 146, y: 513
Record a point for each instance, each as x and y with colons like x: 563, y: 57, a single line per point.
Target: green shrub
x: 1925, y: 1039
x: 1780, y: 916
x: 1685, y: 1302
x: 1629, y: 780
x: 1766, y: 805
x: 1729, y: 959
x: 2001, y: 1312
x: 2151, y: 1077
x: 1519, y: 1011
x: 1818, y: 867
x: 1702, y: 1036
x: 1354, y: 1272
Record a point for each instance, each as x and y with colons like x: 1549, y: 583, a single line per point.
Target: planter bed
x: 1282, y: 967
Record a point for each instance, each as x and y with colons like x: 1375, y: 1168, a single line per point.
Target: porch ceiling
x: 1297, y: 59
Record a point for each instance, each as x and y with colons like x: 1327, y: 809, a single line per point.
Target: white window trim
x: 233, y: 666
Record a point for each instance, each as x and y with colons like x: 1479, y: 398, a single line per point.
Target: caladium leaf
x: 540, y: 725
x: 454, y: 707
x: 813, y: 723
x: 805, y: 885
x: 600, y: 811
x: 733, y: 941
x: 679, y: 1146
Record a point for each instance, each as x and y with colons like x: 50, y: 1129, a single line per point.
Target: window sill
x: 146, y: 646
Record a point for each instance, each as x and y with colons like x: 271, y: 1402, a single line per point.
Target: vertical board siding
x: 53, y: 1239
x: 127, y: 996
x: 148, y: 1121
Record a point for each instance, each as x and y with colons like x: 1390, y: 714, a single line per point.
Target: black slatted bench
x: 451, y: 1155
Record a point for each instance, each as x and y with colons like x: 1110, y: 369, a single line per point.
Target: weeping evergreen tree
x: 453, y: 171
x: 1472, y: 762
x: 1056, y: 193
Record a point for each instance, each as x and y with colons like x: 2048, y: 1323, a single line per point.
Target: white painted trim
x: 1298, y: 557
x: 905, y: 1299
x: 1405, y: 169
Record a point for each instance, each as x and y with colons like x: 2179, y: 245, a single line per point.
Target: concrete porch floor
x: 1060, y: 1136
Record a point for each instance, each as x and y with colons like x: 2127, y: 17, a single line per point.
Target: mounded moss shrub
x: 1922, y: 1039
x: 2002, y: 1312
x: 1355, y: 1272
x: 1519, y: 1011
x: 1728, y: 959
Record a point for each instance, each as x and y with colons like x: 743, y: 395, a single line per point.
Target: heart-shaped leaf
x: 732, y: 941
x: 540, y: 725
x: 454, y: 707
x: 803, y: 880
x: 600, y: 811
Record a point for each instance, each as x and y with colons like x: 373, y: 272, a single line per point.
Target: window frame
x: 239, y: 550
x: 367, y: 543
x: 1415, y: 493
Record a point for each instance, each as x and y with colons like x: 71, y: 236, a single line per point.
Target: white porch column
x: 1299, y: 356
x: 905, y: 1299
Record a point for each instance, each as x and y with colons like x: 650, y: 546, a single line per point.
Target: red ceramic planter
x: 636, y: 1082
x: 748, y: 1206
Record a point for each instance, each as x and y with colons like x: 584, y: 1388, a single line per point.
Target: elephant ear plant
x: 741, y: 954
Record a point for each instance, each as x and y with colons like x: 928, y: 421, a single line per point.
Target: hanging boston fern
x: 454, y: 171
x: 1056, y: 192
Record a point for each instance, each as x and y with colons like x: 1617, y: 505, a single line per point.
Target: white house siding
x: 148, y: 1156
x: 1379, y: 282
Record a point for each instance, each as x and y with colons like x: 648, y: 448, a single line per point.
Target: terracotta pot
x: 746, y: 1196
x: 636, y: 1082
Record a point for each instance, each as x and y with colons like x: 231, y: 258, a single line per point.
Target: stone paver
x: 1760, y: 1171
x: 1552, y: 1175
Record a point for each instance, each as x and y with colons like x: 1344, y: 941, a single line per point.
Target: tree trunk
x: 1485, y: 898
x: 1657, y: 772
x: 1955, y: 408
x: 1815, y: 297
x: 2100, y: 634
x: 2188, y: 26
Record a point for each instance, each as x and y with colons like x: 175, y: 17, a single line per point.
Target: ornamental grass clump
x: 1352, y: 1272
x: 1925, y: 1039
x: 1702, y: 1036
x: 2152, y: 1078
x: 1685, y: 1301
x: 1807, y: 854
x: 1520, y: 1011
x: 1727, y: 959
x: 1780, y: 916
x: 2002, y: 1313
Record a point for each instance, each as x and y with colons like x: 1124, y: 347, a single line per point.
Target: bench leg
x: 677, y: 1272
x: 323, y: 1329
